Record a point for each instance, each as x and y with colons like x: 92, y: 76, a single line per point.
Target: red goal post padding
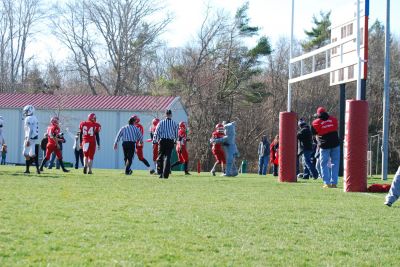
x: 355, y: 146
x: 287, y: 146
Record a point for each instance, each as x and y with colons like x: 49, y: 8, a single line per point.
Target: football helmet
x: 182, y: 125
x: 137, y: 120
x: 219, y: 127
x: 92, y: 117
x: 155, y: 121
x: 28, y: 110
x: 54, y: 121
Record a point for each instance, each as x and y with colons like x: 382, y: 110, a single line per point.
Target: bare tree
x: 17, y: 18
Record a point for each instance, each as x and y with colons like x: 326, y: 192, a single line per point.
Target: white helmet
x: 28, y: 110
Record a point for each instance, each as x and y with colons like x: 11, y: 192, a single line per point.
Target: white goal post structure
x: 345, y: 60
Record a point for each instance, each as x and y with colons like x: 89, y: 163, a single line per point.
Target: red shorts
x: 139, y: 152
x: 219, y: 156
x: 50, y: 148
x: 155, y: 152
x: 89, y: 148
x: 183, y: 155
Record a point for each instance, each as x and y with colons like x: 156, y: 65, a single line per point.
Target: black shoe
x: 27, y: 172
x: 387, y: 203
x: 65, y: 170
x: 187, y: 173
x: 76, y: 167
x: 90, y: 172
x: 128, y: 172
x: 37, y: 171
x: 84, y: 170
x: 152, y: 171
x: 161, y: 177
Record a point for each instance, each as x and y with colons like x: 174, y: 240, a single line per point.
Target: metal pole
x: 377, y: 155
x: 289, y: 98
x: 358, y: 97
x: 342, y: 108
x: 385, y: 135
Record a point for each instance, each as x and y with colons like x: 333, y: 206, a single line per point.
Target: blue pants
x: 330, y: 175
x: 263, y: 165
x: 394, y: 192
x: 309, y: 168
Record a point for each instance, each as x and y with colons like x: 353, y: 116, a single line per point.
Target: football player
x: 31, y: 128
x: 183, y: 156
x: 89, y: 136
x: 217, y: 149
x: 139, y: 145
x: 53, y: 137
x: 153, y: 127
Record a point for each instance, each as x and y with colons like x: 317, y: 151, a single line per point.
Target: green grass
x: 109, y: 219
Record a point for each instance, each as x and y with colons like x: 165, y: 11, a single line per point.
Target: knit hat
x: 320, y: 110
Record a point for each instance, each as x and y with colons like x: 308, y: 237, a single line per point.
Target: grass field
x: 109, y: 219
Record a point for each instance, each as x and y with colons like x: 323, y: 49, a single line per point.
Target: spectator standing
x: 325, y: 128
x: 130, y: 135
x: 3, y: 154
x: 165, y: 135
x: 263, y: 155
x: 304, y: 136
x: 274, y: 155
x: 78, y: 151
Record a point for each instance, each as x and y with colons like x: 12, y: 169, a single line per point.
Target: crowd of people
x: 318, y: 147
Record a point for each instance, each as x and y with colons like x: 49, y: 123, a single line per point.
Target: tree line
x: 115, y: 48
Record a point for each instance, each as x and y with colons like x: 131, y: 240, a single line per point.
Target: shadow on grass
x: 34, y: 175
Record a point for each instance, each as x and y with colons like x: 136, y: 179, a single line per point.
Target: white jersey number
x: 88, y: 132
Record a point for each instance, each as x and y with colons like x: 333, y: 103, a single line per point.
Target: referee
x: 165, y: 135
x: 129, y: 135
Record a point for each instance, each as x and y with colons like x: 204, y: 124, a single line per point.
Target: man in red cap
x: 325, y: 128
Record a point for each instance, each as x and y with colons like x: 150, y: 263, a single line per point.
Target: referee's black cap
x: 168, y: 112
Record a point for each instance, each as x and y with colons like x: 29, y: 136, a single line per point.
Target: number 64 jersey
x: 89, y: 129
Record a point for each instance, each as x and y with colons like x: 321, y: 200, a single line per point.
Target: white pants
x: 29, y: 151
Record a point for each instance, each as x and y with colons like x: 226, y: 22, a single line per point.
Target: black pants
x: 78, y: 157
x: 275, y: 169
x: 129, y: 152
x: 164, y: 157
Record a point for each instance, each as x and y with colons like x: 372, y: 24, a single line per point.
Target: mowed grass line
x: 112, y: 219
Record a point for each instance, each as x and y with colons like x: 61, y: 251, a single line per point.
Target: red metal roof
x: 87, y: 102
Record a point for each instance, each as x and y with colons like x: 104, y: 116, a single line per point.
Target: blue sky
x: 273, y: 16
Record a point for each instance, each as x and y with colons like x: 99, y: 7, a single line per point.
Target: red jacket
x: 325, y: 127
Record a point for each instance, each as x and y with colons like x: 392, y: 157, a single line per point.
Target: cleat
x: 213, y: 172
x: 27, y: 172
x: 152, y: 171
x: 90, y: 172
x: 37, y: 172
x: 84, y: 169
x: 65, y: 170
x: 327, y: 186
x: 187, y: 173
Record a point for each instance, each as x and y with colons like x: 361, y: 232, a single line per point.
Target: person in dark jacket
x: 304, y: 136
x: 263, y: 155
x: 325, y: 127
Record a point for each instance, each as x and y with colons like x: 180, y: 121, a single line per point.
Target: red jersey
x: 89, y: 130
x: 215, y: 135
x: 52, y: 131
x: 182, y: 136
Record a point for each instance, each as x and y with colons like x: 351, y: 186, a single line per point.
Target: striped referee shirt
x: 129, y: 133
x: 166, y: 129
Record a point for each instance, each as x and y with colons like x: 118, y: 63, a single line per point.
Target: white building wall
x: 111, y: 122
